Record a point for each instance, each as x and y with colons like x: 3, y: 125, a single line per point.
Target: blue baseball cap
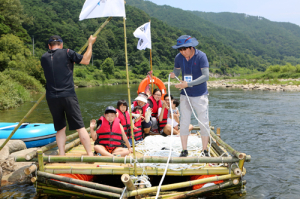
x: 185, y: 41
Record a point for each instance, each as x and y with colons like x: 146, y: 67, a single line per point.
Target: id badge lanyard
x: 188, y: 77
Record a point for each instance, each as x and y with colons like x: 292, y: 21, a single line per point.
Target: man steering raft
x: 58, y: 65
x: 195, y: 72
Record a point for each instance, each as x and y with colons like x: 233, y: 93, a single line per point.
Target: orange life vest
x: 144, y: 107
x: 138, y: 134
x: 109, y: 135
x: 163, y: 123
x: 156, y: 106
x: 125, y: 121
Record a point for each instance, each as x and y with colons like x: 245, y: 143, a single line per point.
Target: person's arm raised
x: 88, y: 54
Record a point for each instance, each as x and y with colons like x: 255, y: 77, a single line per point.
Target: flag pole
x: 129, y: 99
x: 151, y: 63
x: 95, y: 34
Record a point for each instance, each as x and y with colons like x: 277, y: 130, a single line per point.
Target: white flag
x: 102, y: 8
x: 144, y: 34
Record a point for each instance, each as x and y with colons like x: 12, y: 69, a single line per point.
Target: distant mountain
x: 61, y: 17
x: 260, y: 37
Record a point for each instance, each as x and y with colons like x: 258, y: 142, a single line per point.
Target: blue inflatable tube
x: 33, y: 134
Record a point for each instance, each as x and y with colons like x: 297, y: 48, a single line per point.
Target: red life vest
x: 156, y: 106
x: 138, y: 134
x: 144, y: 107
x: 163, y: 123
x: 109, y: 135
x: 125, y: 121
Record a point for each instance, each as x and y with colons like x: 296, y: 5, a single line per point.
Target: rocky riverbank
x: 11, y: 171
x: 253, y: 86
x: 233, y: 83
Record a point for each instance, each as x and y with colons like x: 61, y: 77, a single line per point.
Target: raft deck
x: 112, y: 174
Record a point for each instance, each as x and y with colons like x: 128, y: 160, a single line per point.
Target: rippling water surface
x: 265, y: 125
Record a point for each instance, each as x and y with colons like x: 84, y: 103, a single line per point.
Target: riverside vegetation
x: 247, y: 61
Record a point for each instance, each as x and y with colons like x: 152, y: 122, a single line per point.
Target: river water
x: 262, y: 124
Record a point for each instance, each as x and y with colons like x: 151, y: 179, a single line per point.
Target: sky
x: 274, y: 10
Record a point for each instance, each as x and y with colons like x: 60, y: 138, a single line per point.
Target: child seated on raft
x: 110, y: 135
x: 138, y: 119
x: 174, y: 109
x: 123, y: 115
x: 141, y: 100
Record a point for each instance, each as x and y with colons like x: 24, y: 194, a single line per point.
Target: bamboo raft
x: 113, y: 176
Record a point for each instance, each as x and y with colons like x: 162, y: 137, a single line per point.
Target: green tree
x: 108, y: 67
x: 141, y: 69
x: 11, y: 19
x: 163, y: 74
x: 13, y: 53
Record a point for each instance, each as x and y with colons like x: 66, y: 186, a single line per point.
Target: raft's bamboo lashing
x: 91, y: 185
x: 130, y: 171
x: 145, y: 159
x: 67, y: 186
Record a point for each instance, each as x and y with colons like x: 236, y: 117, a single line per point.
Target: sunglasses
x: 182, y: 49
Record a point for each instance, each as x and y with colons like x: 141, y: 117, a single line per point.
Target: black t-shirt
x: 58, y: 68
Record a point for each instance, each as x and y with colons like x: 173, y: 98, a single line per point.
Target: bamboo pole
x: 218, y: 134
x: 30, y: 169
x: 129, y: 99
x: 242, y: 161
x: 51, y: 189
x: 145, y: 159
x: 180, y: 185
x: 77, y: 188
x: 71, y: 144
x: 236, y: 170
x: 236, y: 181
x: 125, y: 178
x: 33, y: 179
x: 22, y: 120
x: 227, y: 146
x: 197, y: 192
x: 218, y: 149
x: 91, y: 185
x: 95, y: 34
x: 47, y: 147
x: 151, y: 63
x: 40, y: 160
x: 131, y: 171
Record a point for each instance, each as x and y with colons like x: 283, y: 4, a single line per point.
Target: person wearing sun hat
x: 58, y: 65
x: 141, y: 100
x: 194, y: 66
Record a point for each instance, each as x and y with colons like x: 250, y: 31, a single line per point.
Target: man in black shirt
x: 58, y: 65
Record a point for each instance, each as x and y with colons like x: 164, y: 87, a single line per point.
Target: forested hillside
x: 60, y: 17
x: 280, y: 36
x: 20, y: 72
x: 263, y: 40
